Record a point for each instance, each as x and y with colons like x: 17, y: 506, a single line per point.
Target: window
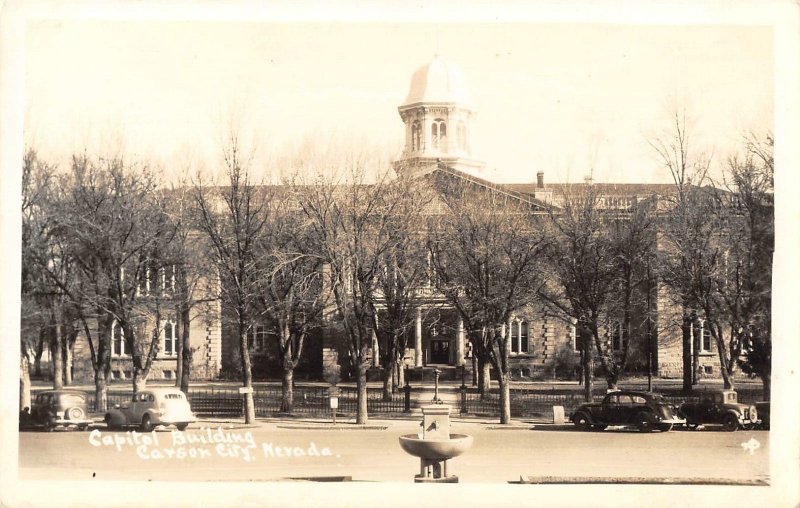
x: 519, y: 336
x: 616, y: 335
x: 170, y: 339
x: 117, y: 340
x: 257, y: 338
x: 438, y: 134
x: 416, y: 136
x: 514, y: 337
x: 573, y: 334
x: 704, y: 338
x: 168, y: 275
x: 523, y: 337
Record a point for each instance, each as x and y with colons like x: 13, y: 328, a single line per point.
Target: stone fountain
x: 435, y: 445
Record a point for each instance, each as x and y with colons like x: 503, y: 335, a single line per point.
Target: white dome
x: 439, y: 82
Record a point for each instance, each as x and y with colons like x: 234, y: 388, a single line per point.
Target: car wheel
x: 691, y: 426
x: 599, y: 427
x: 108, y: 420
x: 75, y: 413
x: 83, y: 426
x: 146, y: 426
x: 644, y: 423
x: 182, y: 426
x: 730, y: 423
x: 665, y: 427
x: 582, y: 423
x: 49, y: 425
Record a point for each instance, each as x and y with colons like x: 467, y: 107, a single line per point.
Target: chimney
x: 540, y: 180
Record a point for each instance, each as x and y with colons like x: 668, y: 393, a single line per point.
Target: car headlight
x: 753, y: 413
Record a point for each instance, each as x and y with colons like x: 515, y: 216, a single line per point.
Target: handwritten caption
x: 203, y: 443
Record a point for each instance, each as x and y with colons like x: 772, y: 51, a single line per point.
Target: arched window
x: 438, y: 133
x: 416, y: 136
x: 170, y: 339
x: 117, y: 340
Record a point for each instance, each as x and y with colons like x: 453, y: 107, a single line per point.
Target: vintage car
x: 56, y: 408
x: 645, y: 410
x: 152, y: 407
x: 718, y: 407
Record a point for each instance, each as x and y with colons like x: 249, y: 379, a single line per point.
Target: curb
x: 543, y: 480
x: 332, y: 427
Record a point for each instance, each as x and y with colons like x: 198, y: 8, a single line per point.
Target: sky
x: 564, y: 98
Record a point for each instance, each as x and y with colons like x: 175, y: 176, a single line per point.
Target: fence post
x: 407, y: 395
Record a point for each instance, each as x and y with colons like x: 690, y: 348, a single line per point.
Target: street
x: 275, y: 450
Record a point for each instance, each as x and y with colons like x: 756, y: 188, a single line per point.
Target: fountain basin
x: 435, y: 449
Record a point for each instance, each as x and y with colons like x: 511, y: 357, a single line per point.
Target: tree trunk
x: 186, y: 359
x: 24, y: 382
x: 37, y: 359
x: 588, y: 375
x: 724, y: 367
x: 247, y: 376
x: 475, y: 373
x: 401, y: 374
x: 287, y: 393
x: 484, y: 377
x: 100, y: 391
x: 505, y: 397
x: 139, y: 380
x: 687, y: 353
x: 57, y: 358
x: 388, y: 382
x: 766, y: 381
x: 68, y: 362
x: 587, y: 365
x: 361, y: 393
x: 178, y: 331
x: 395, y: 366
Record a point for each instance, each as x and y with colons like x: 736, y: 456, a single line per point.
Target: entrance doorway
x: 440, y: 351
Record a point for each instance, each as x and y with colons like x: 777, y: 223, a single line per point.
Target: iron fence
x: 314, y: 401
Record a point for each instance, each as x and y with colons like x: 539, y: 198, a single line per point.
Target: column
x: 418, y: 340
x: 376, y: 359
x: 460, y: 342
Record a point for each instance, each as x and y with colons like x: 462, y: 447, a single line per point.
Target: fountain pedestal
x: 435, y: 446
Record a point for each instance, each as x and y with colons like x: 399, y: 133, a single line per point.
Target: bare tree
x: 582, y: 266
x: 689, y: 171
x: 233, y: 218
x: 289, y: 276
x: 404, y: 272
x: 350, y: 220
x: 632, y: 243
x: 184, y: 264
x: 485, y: 250
x: 745, y: 288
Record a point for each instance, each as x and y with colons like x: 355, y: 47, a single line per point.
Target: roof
x: 623, y: 189
x: 438, y: 82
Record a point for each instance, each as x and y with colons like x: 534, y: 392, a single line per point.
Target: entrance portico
x: 440, y: 343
